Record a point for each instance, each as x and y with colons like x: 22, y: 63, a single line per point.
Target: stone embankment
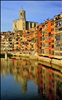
x: 50, y: 62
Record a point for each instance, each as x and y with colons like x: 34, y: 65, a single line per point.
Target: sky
x: 37, y: 11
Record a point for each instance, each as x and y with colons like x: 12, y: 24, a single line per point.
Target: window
x: 30, y: 25
x: 43, y: 33
x: 16, y: 39
x: 40, y: 38
x: 57, y: 48
x: 60, y: 49
x: 21, y: 14
x: 52, y: 52
x: 57, y: 37
x: 52, y: 40
x: 41, y: 44
x: 58, y: 23
x: 46, y: 44
x: 56, y: 30
x: 16, y: 42
x: 60, y: 54
x: 49, y: 33
x: 57, y: 54
x: 57, y: 45
x: 60, y: 29
x: 52, y: 29
x: 34, y: 24
x: 27, y: 25
x: 40, y: 30
x: 52, y: 46
x: 10, y: 42
x: 49, y: 51
x: 42, y: 50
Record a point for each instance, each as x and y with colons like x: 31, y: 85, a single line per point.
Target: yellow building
x: 21, y: 23
x: 58, y: 35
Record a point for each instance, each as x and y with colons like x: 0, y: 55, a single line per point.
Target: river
x: 22, y: 79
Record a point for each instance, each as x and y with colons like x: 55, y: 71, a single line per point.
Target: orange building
x: 45, y: 41
x: 29, y: 42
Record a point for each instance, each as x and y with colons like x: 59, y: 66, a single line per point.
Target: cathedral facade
x: 21, y: 23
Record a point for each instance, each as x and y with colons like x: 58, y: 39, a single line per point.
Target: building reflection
x: 21, y: 69
x: 49, y: 81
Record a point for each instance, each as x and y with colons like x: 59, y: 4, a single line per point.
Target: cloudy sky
x: 35, y: 11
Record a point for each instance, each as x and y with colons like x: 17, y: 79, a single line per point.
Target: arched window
x: 21, y: 14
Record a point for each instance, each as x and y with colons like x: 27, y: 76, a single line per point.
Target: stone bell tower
x: 22, y: 17
x: 22, y: 14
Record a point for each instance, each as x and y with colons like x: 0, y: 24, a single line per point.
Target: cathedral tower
x: 22, y: 14
x: 20, y: 23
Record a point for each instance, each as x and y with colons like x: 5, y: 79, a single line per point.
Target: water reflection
x: 49, y: 83
x: 44, y: 82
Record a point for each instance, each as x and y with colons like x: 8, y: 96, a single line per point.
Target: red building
x: 45, y: 41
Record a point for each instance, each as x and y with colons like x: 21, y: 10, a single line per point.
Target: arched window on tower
x: 21, y: 14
